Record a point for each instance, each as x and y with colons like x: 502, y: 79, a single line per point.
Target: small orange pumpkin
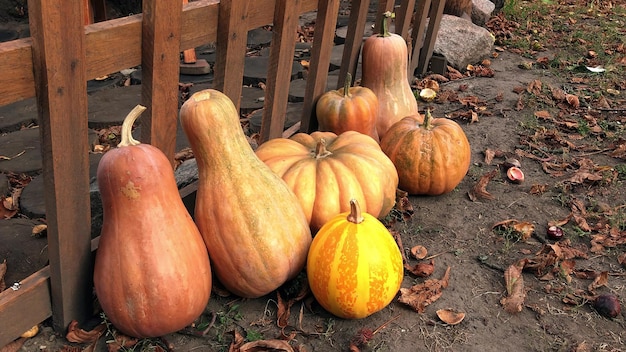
x: 325, y: 171
x: 354, y: 265
x: 431, y: 157
x: 348, y: 109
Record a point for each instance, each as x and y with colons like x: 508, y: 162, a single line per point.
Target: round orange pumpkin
x: 325, y: 171
x: 348, y: 109
x: 354, y: 265
x: 431, y: 157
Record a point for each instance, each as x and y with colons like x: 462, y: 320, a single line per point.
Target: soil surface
x: 568, y: 179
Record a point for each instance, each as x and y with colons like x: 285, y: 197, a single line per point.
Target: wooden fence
x: 62, y: 54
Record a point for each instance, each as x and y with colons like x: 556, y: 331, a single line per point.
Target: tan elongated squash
x: 253, y: 225
x: 152, y: 273
x: 385, y: 66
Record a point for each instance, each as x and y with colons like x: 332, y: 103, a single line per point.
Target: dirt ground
x: 571, y: 175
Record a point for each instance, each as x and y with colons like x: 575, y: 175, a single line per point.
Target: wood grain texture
x: 435, y: 14
x: 160, y: 64
x: 231, y: 48
x: 279, y: 70
x: 354, y: 40
x: 59, y: 71
x: 320, y: 61
x: 22, y: 309
x: 115, y: 44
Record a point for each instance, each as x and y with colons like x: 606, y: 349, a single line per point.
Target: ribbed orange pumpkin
x: 431, y: 157
x: 325, y: 171
x: 348, y: 109
x: 354, y: 265
x: 385, y: 71
x: 152, y: 273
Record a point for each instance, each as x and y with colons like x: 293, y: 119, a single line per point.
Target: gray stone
x: 462, y: 42
x: 18, y: 115
x: 482, y: 11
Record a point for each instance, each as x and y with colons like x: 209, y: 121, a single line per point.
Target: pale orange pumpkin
x: 152, y: 273
x: 385, y: 62
x: 431, y: 158
x: 325, y: 171
x: 354, y: 265
x: 252, y: 223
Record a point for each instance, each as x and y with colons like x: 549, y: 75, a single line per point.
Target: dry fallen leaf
x: 14, y: 346
x: 78, y: 335
x: 266, y: 345
x: 523, y: 228
x: 421, y: 295
x: 479, y: 191
x: 599, y: 281
x: 516, y: 293
x: 572, y: 100
x: 421, y: 269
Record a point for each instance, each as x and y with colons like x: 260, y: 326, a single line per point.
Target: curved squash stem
x: 320, y: 149
x: 384, y: 26
x: 355, y: 212
x: 346, y: 85
x: 127, y: 127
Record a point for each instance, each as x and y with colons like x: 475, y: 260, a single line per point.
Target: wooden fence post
x: 279, y: 70
x: 160, y: 59
x: 231, y: 45
x: 320, y: 61
x: 61, y: 88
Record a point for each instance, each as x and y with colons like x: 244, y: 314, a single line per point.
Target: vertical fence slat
x: 61, y: 89
x: 320, y: 61
x: 419, y: 24
x: 232, y: 40
x: 383, y: 6
x: 435, y: 14
x: 354, y: 40
x: 160, y: 59
x: 403, y: 18
x: 279, y: 70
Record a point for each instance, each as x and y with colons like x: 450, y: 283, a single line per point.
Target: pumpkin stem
x: 384, y: 25
x: 355, y: 212
x: 320, y: 149
x: 127, y: 127
x: 346, y: 85
x: 427, y: 119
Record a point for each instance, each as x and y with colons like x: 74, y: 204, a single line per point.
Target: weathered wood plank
x: 383, y: 6
x: 435, y: 14
x: 320, y: 61
x: 59, y: 70
x: 160, y: 64
x: 114, y: 45
x: 403, y: 19
x: 231, y: 47
x: 354, y: 40
x: 29, y: 305
x: 279, y: 70
x: 419, y: 27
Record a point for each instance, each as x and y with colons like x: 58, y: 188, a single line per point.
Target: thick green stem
x: 346, y: 85
x: 127, y: 127
x: 427, y: 118
x: 384, y: 24
x: 355, y: 212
